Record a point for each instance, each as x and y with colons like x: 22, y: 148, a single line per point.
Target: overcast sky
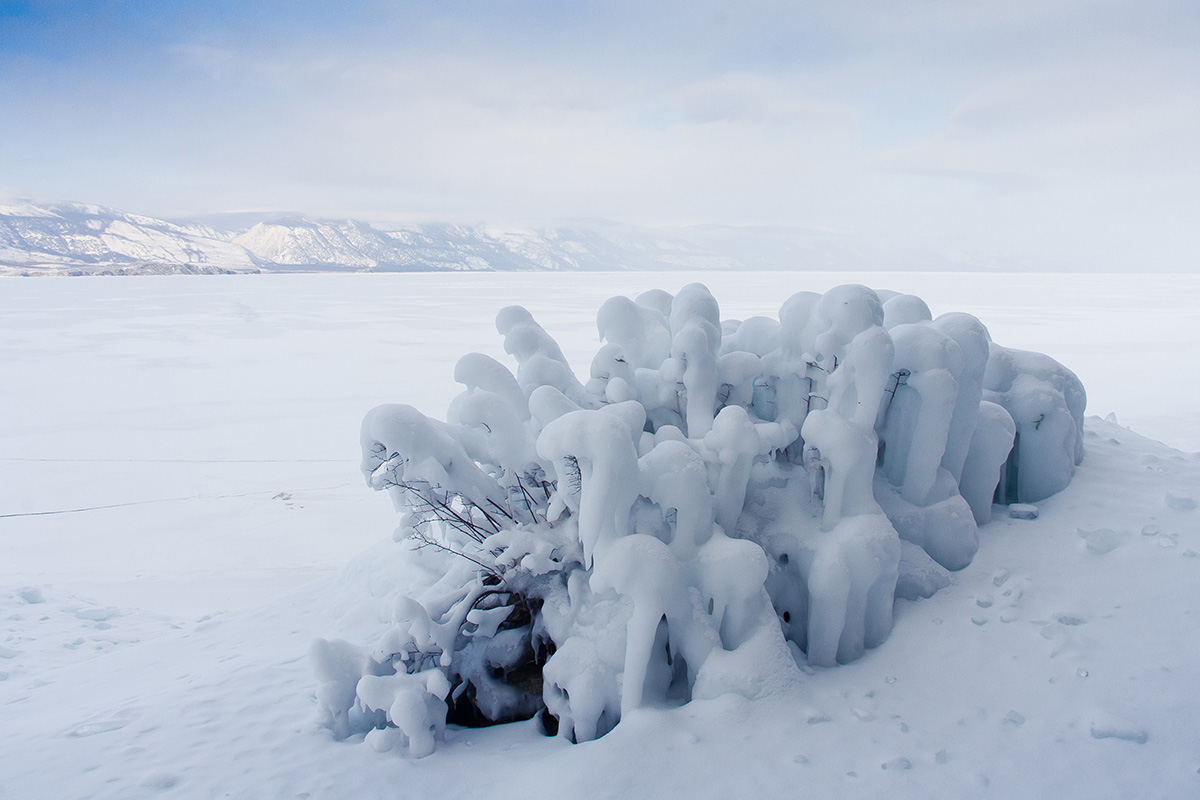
x: 1066, y: 130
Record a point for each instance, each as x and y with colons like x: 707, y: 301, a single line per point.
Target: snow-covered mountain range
x: 80, y: 239
x: 86, y: 239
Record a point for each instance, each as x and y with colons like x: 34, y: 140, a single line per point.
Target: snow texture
x: 153, y: 639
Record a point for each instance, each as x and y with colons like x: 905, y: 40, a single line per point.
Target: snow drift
x: 720, y: 502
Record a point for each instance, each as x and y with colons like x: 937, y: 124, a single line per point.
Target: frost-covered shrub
x: 719, y: 501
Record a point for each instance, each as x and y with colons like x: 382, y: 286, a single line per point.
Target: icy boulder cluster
x: 719, y: 501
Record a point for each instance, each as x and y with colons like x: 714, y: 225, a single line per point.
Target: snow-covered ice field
x: 179, y: 491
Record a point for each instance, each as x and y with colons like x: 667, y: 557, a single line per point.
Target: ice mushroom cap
x: 694, y: 302
x: 920, y: 347
x: 905, y: 308
x: 509, y: 316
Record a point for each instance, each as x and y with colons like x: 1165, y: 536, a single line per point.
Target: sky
x: 1054, y: 131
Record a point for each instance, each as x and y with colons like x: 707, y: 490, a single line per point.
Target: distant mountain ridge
x: 73, y: 238
x: 81, y: 239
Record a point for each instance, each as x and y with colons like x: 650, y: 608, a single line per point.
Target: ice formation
x: 718, y: 501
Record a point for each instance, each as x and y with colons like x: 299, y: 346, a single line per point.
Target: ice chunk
x: 1108, y: 727
x: 1101, y: 540
x: 1023, y: 511
x: 31, y: 595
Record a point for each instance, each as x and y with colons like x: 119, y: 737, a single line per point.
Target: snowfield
x: 181, y: 514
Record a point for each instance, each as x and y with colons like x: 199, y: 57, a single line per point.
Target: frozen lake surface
x: 203, y: 412
x: 175, y: 448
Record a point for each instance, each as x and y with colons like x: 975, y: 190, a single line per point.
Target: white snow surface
x: 180, y: 499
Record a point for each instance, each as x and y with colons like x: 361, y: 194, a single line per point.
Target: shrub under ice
x: 718, y: 501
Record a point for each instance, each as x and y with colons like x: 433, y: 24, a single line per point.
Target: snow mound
x: 716, y: 497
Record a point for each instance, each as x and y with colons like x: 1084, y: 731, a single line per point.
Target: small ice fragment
x: 1015, y: 717
x: 1081, y: 672
x: 941, y: 757
x: 1123, y: 732
x: 92, y: 728
x: 999, y: 577
x: 1071, y: 619
x: 1053, y: 630
x: 1101, y: 540
x: 817, y: 719
x: 889, y: 680
x: 161, y: 781
x: 979, y: 620
x: 31, y: 595
x: 97, y: 614
x: 1023, y: 511
x: 1180, y: 501
x: 898, y: 763
x: 800, y: 759
x: 1150, y: 529
x: 904, y: 727
x: 1008, y: 616
x: 379, y: 740
x: 984, y: 601
x: 7, y: 652
x: 863, y: 715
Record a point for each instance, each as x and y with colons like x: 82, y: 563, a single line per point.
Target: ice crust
x: 719, y: 500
